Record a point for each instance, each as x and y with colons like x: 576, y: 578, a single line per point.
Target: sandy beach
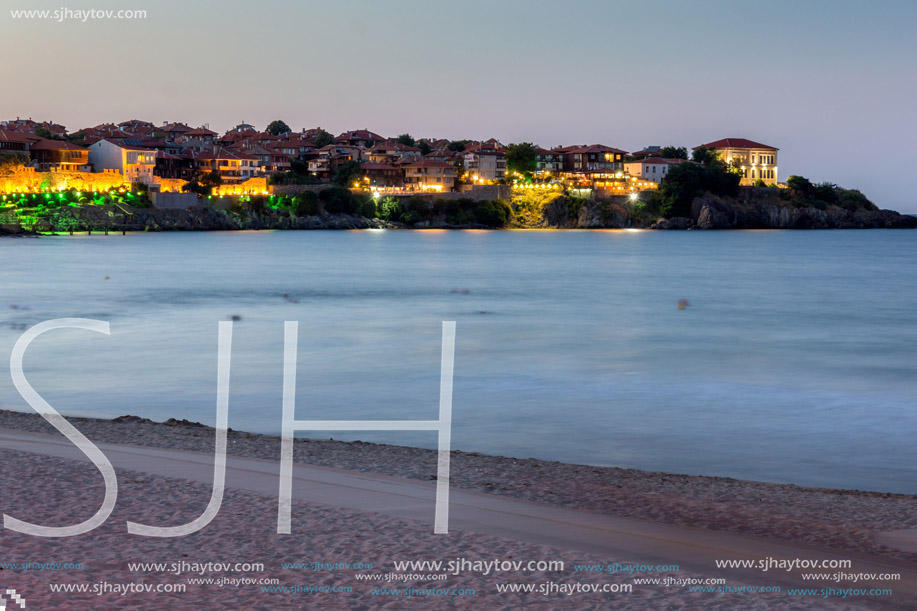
x: 52, y: 490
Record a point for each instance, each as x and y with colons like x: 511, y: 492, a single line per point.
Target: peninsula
x: 137, y: 176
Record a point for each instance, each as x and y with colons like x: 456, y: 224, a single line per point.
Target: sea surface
x: 794, y: 361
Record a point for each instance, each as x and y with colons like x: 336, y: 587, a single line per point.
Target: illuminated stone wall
x: 170, y: 185
x: 27, y: 180
x: 252, y: 186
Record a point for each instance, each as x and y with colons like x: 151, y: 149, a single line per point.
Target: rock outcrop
x: 710, y: 212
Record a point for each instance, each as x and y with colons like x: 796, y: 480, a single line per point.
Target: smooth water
x: 796, y: 360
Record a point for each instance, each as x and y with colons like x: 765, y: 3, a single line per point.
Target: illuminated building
x: 757, y: 161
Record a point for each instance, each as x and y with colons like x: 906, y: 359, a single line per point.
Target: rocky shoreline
x: 751, y: 211
x: 712, y: 212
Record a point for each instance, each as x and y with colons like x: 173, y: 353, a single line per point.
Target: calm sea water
x: 796, y: 360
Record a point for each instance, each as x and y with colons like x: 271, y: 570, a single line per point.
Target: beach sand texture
x: 45, y: 489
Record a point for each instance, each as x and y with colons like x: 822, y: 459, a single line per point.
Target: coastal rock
x: 762, y: 211
x: 556, y: 213
x: 678, y: 222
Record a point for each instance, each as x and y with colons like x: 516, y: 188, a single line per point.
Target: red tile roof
x: 395, y: 146
x: 659, y: 160
x: 490, y: 146
x: 56, y: 145
x: 225, y: 154
x: 736, y: 143
x: 359, y: 134
x: 174, y: 127
x: 593, y: 148
x: 429, y: 163
x: 200, y: 131
x: 13, y: 136
x: 120, y: 143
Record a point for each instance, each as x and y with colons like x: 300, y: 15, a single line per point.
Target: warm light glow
x: 252, y: 186
x: 27, y: 180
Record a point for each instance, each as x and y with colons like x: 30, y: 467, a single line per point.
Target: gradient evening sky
x: 830, y: 83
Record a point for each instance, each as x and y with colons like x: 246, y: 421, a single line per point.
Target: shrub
x: 390, y: 209
x: 851, y: 199
x: 492, y: 214
x: 366, y: 205
x: 305, y: 204
x: 338, y: 200
x: 686, y: 181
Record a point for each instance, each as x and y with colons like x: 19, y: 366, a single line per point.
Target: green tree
x: 800, y: 184
x: 493, y: 214
x: 194, y: 186
x: 347, y: 173
x: 278, y: 127
x: 338, y: 200
x: 458, y: 145
x: 406, y: 139
x: 211, y: 179
x: 44, y: 132
x: 323, y: 138
x: 305, y: 204
x: 672, y: 152
x: 703, y: 155
x: 522, y: 157
x: 826, y: 192
x: 424, y: 147
x: 686, y: 181
x: 389, y: 209
x: 851, y: 199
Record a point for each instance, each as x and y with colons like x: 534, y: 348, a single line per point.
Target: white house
x: 135, y: 162
x: 651, y: 168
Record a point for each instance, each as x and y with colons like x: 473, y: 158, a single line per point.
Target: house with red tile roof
x: 548, y: 163
x: 359, y: 137
x: 50, y: 155
x: 757, y: 161
x: 430, y: 175
x: 445, y: 154
x: 381, y: 175
x: 485, y: 162
x: 169, y: 165
x: 329, y: 158
x: 393, y: 153
x: 15, y: 143
x: 232, y: 165
x: 198, y: 137
x: 592, y: 158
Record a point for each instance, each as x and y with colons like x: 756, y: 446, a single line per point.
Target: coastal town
x: 174, y: 157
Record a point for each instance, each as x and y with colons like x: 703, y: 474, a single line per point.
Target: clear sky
x: 830, y: 83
